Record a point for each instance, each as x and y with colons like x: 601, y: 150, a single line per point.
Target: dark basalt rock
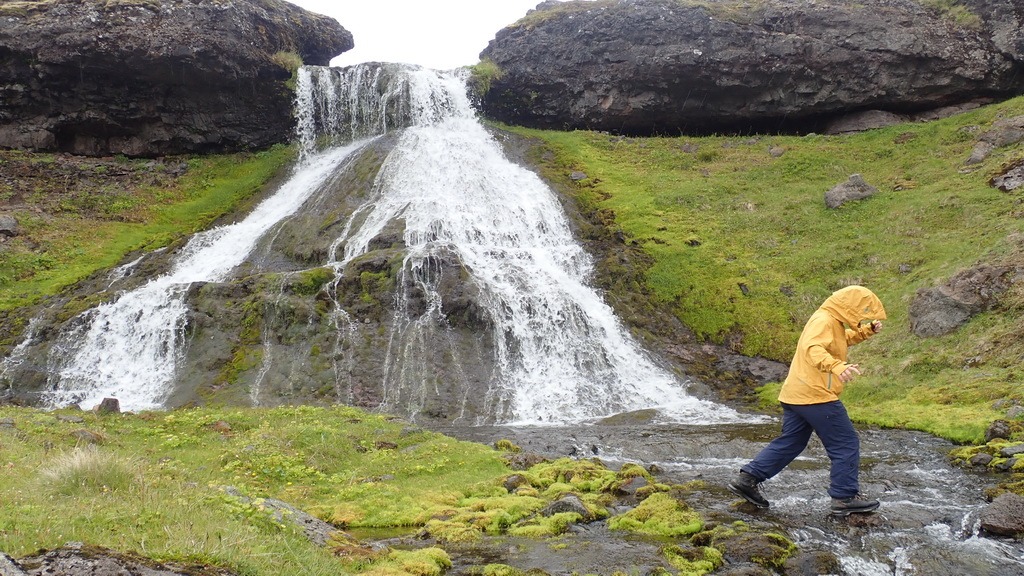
x: 154, y: 77
x: 670, y: 67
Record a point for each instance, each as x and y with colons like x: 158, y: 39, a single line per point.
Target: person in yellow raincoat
x: 810, y: 401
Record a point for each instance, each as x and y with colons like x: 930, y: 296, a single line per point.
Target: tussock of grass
x: 659, y: 514
x: 744, y: 249
x: 87, y: 470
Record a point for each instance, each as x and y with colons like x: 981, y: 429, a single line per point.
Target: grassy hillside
x: 745, y: 250
x: 79, y: 215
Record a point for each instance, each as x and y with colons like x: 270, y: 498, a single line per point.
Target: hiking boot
x: 749, y: 488
x: 853, y: 505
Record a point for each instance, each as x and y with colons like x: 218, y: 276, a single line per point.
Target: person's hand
x: 848, y: 374
x: 876, y: 326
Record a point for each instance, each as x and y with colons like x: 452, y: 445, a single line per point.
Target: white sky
x: 439, y: 34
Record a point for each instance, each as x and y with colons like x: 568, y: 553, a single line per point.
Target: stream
x: 927, y: 524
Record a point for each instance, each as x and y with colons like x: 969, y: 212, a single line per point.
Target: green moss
x: 310, y: 282
x: 693, y: 561
x: 543, y: 526
x: 422, y: 562
x: 482, y: 75
x: 660, y: 515
x: 291, y: 62
x: 507, y: 446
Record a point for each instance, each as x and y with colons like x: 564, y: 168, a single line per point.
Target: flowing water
x: 561, y: 356
x: 927, y: 524
x: 129, y: 348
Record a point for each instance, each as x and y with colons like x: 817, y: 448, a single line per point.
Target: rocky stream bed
x: 928, y: 523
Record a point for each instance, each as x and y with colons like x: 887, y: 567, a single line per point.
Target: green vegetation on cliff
x: 745, y: 249
x: 79, y: 215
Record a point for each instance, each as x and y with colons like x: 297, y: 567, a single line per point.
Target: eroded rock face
x: 154, y: 77
x: 667, y: 66
x: 941, y: 309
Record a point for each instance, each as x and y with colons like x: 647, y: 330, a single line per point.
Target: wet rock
x: 1004, y: 516
x: 568, y: 503
x: 942, y: 309
x: 998, y: 429
x: 1011, y: 451
x: 515, y: 481
x: 755, y: 547
x: 813, y: 563
x: 1006, y: 465
x: 630, y: 487
x: 980, y: 459
x: 108, y: 406
x: 745, y: 569
x: 78, y: 559
x: 636, y: 417
x: 855, y: 188
x: 864, y: 521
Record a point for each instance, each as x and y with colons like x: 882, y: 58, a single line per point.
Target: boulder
x: 1004, y: 516
x: 667, y: 67
x: 855, y: 188
x: 568, y: 503
x: 144, y: 78
x: 941, y: 309
x: 9, y: 226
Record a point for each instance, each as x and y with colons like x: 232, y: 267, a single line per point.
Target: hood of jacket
x: 853, y: 305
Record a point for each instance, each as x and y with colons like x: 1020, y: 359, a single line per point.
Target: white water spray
x: 129, y: 348
x: 561, y: 355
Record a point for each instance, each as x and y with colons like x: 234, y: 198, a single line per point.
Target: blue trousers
x: 832, y: 425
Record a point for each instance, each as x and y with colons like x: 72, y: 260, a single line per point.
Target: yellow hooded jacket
x: 821, y: 352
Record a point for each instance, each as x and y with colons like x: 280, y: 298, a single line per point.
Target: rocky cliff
x: 154, y: 77
x: 689, y: 66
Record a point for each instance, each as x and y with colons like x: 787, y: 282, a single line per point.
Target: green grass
x: 154, y: 485
x: 720, y: 212
x: 59, y: 249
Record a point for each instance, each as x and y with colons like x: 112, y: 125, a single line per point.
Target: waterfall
x: 559, y: 353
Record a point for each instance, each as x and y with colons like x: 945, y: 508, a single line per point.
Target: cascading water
x: 561, y: 355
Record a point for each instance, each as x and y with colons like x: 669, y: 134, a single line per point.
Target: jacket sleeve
x: 858, y: 335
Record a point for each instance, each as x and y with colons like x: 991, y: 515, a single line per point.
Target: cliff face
x: 671, y: 66
x: 154, y: 77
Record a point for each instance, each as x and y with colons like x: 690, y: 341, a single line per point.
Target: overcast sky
x: 440, y: 34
